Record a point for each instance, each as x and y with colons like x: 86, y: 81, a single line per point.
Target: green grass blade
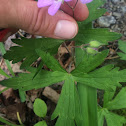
x: 4, y: 74
x: 3, y: 90
x: 3, y: 51
x: 6, y: 122
x: 9, y: 68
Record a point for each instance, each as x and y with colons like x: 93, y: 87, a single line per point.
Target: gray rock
x: 123, y: 9
x: 115, y: 1
x: 117, y: 15
x: 106, y: 21
x: 124, y: 33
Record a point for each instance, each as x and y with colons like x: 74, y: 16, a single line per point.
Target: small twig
x: 66, y: 48
x: 20, y: 34
x: 80, y: 46
x: 114, y: 57
x: 69, y: 69
x: 2, y: 62
x: 51, y: 94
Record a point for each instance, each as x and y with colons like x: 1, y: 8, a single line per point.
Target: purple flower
x: 86, y: 1
x: 54, y: 5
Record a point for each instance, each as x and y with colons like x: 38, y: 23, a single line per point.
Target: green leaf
x: 94, y: 11
x: 102, y: 35
x: 67, y: 112
x: 111, y: 118
x: 65, y: 122
x: 26, y: 82
x: 41, y: 123
x: 50, y: 61
x: 88, y: 103
x: 40, y: 108
x: 4, y: 74
x: 38, y: 69
x: 27, y: 47
x: 102, y: 78
x: 114, y: 119
x: 122, y: 47
x: 87, y: 62
x: 3, y: 90
x: 108, y: 95
x: 3, y: 51
x: 105, y: 78
x: 9, y: 68
x: 7, y: 122
x: 110, y: 77
x: 101, y: 117
x: 118, y: 102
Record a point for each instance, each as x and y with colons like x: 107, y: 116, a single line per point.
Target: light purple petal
x: 54, y: 7
x: 86, y: 1
x: 44, y: 3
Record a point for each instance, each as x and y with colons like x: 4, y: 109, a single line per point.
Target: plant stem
x: 22, y: 95
x: 88, y: 100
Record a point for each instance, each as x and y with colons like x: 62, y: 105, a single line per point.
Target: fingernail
x: 65, y: 29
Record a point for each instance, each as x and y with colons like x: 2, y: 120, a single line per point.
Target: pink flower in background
x: 54, y: 5
x: 86, y: 1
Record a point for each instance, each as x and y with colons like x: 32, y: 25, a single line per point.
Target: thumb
x: 27, y: 16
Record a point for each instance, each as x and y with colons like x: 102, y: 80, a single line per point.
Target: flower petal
x: 54, y: 7
x: 86, y: 1
x: 44, y: 3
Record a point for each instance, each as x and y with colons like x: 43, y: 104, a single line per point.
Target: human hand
x: 24, y: 14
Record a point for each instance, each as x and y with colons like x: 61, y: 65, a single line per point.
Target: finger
x: 38, y: 21
x: 80, y: 10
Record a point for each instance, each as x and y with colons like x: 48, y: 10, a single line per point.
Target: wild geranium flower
x: 86, y: 1
x: 54, y: 5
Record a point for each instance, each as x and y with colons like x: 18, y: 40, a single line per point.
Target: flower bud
x: 91, y: 50
x: 95, y: 44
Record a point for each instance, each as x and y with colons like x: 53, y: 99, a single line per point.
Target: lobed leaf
x: 114, y: 119
x: 122, y: 47
x: 65, y: 122
x: 118, y: 102
x: 67, y: 112
x: 26, y: 82
x: 49, y: 61
x: 101, y: 117
x: 105, y: 78
x: 87, y: 62
x: 108, y: 95
x: 101, y: 35
x: 27, y: 47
